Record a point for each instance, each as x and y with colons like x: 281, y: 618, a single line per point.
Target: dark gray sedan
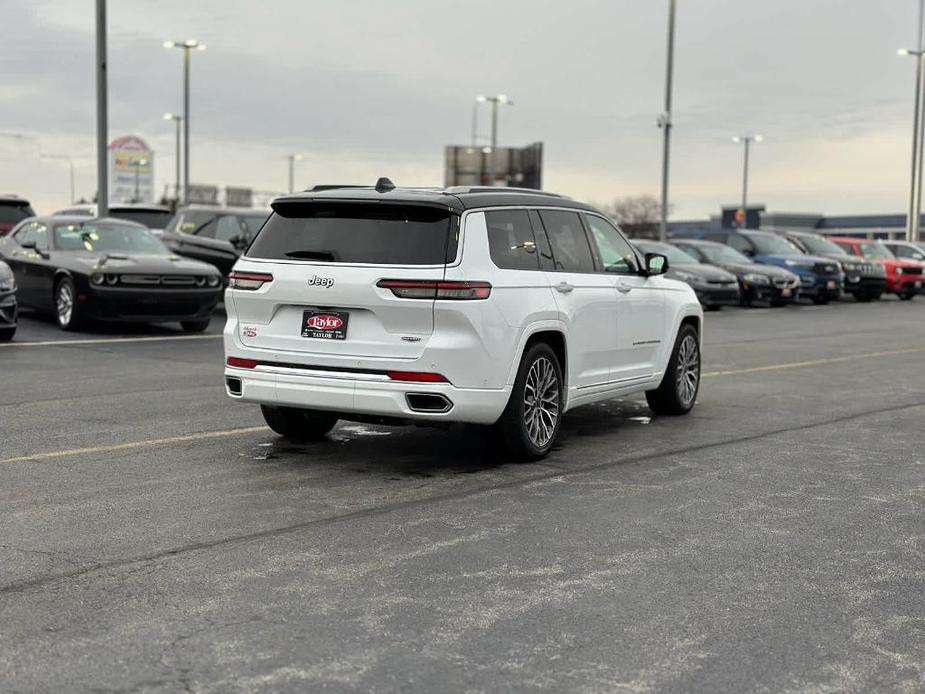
x: 714, y: 287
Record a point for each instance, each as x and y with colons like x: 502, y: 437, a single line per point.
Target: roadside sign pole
x: 102, y: 113
x: 665, y: 121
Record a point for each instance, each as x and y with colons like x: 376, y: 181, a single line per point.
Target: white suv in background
x: 491, y: 306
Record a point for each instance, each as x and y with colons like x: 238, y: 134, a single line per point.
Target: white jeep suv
x: 488, y: 306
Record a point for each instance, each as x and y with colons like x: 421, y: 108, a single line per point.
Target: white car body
x: 617, y: 330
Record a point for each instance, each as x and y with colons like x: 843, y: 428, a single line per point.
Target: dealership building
x: 880, y: 226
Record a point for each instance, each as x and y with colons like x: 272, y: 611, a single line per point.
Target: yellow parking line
x: 134, y: 444
x: 815, y: 362
x: 253, y: 430
x: 108, y: 340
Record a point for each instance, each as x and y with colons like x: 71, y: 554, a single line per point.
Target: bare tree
x: 639, y: 215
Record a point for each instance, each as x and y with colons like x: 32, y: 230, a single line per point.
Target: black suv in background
x: 762, y: 283
x: 216, y: 235
x: 13, y: 209
x: 865, y: 280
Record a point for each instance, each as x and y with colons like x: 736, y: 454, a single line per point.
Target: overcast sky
x: 365, y: 88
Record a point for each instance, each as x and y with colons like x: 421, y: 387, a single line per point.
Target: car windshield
x: 153, y: 219
x: 724, y: 255
x: 107, y: 237
x: 874, y: 249
x: 819, y: 245
x: 772, y: 244
x: 674, y: 254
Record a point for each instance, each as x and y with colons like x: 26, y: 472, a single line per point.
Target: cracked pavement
x: 774, y: 540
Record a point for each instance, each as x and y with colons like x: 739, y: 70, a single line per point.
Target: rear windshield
x: 153, y: 219
x: 12, y: 214
x: 373, y: 233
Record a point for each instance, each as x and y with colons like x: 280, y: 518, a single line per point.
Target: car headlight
x: 7, y: 284
x: 753, y: 278
x: 214, y: 280
x: 686, y: 277
x: 97, y: 278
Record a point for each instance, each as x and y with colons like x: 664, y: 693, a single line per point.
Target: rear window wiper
x: 311, y: 255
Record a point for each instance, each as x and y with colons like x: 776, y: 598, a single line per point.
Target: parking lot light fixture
x: 502, y: 99
x: 479, y: 100
x: 915, y: 189
x: 186, y: 46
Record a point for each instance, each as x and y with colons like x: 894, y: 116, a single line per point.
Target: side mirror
x: 656, y: 264
x: 30, y: 246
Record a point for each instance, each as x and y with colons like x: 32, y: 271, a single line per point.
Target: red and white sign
x: 324, y: 323
x: 131, y: 170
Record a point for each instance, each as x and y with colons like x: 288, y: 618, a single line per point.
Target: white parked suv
x: 488, y: 306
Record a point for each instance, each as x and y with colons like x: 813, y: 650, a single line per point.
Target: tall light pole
x: 70, y: 162
x: 187, y: 46
x: 479, y: 100
x: 494, y: 101
x: 293, y: 158
x: 746, y: 140
x: 177, y: 120
x: 914, y: 214
x: 664, y: 120
x: 137, y: 164
x: 102, y: 114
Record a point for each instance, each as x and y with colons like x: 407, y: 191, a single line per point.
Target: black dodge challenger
x: 107, y: 269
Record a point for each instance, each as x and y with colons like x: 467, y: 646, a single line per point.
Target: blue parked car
x: 821, y: 279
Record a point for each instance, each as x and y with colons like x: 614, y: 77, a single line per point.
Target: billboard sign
x: 239, y: 197
x: 520, y: 167
x: 131, y: 170
x: 202, y: 195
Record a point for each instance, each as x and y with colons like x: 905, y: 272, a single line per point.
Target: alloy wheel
x: 541, y: 402
x: 65, y: 303
x: 688, y: 370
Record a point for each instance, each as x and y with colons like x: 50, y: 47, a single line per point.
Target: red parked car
x: 904, y: 278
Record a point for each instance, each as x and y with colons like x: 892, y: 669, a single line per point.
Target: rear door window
x: 366, y: 233
x: 13, y: 214
x: 511, y: 242
x: 570, y: 248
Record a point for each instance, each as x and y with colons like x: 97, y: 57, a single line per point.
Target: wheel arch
x: 551, y: 333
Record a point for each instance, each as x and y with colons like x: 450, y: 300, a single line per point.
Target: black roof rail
x: 461, y: 190
x: 333, y: 186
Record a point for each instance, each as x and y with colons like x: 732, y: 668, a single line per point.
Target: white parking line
x: 108, y: 340
x: 134, y: 444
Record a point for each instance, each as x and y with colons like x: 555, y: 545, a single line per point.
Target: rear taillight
x: 248, y: 280
x: 240, y: 363
x: 416, y: 377
x: 430, y: 289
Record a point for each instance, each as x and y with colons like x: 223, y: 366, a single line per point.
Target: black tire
x: 679, y: 387
x: 821, y: 299
x: 6, y: 334
x: 906, y: 296
x: 531, y: 434
x: 863, y: 298
x: 68, y: 313
x: 777, y: 303
x: 195, y: 326
x: 298, y: 424
x: 712, y: 307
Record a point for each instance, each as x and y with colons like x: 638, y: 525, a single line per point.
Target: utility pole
x: 664, y: 120
x: 293, y: 158
x: 747, y: 141
x: 177, y: 120
x: 102, y: 114
x: 914, y: 213
x: 187, y: 46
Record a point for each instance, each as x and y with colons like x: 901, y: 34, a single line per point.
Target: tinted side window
x: 34, y: 232
x: 616, y: 253
x: 229, y: 228
x: 569, y: 242
x: 511, y: 241
x: 719, y: 238
x: 547, y: 262
x: 740, y: 243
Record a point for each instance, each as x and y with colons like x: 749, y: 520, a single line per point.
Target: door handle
x: 624, y: 288
x: 564, y: 287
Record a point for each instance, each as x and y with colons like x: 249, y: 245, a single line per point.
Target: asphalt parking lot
x: 156, y: 537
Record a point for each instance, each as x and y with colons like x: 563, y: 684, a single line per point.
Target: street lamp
x: 137, y: 164
x: 915, y: 189
x: 479, y: 100
x: 186, y: 46
x: 293, y: 158
x: 177, y: 120
x: 494, y: 101
x: 664, y: 120
x: 746, y: 140
x: 70, y: 162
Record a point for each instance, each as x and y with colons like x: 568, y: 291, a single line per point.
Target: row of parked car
x: 728, y: 266
x: 147, y: 263
x: 142, y: 263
